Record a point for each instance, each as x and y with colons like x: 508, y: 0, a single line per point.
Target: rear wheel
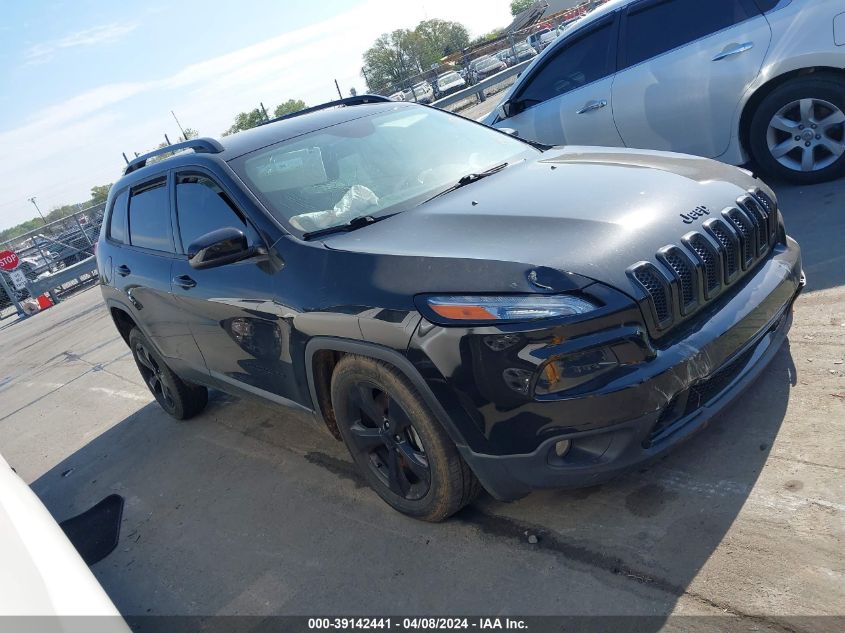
x: 397, y: 444
x: 177, y: 397
x: 798, y: 131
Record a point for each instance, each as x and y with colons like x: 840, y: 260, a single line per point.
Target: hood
x: 584, y: 210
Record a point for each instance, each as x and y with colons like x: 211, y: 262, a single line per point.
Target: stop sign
x: 9, y: 260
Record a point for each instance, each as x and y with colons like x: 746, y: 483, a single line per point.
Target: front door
x: 241, y: 332
x: 568, y: 99
x: 685, y: 66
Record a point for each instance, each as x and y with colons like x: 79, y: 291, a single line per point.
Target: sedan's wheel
x: 178, y: 398
x: 798, y: 131
x: 398, y: 445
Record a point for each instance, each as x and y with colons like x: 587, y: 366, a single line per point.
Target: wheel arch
x: 766, y: 89
x: 123, y: 320
x: 323, y: 353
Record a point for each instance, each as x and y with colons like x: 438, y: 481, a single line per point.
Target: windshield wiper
x: 354, y: 223
x: 463, y: 181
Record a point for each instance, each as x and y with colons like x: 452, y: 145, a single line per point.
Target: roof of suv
x: 280, y: 130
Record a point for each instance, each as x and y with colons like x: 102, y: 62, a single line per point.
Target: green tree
x: 518, y: 6
x: 289, y: 107
x: 389, y: 61
x: 99, y: 193
x: 246, y: 121
x: 435, y: 39
x: 395, y: 57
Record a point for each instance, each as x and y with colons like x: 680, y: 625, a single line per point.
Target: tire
x: 798, y: 105
x: 178, y: 398
x: 397, y: 444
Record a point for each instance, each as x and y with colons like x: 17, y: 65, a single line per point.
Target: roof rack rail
x: 348, y: 101
x: 199, y: 145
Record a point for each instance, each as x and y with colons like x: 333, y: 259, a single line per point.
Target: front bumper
x: 653, y: 408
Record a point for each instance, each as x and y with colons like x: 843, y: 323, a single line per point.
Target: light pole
x: 35, y: 204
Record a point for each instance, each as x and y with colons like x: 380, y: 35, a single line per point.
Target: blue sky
x: 83, y: 81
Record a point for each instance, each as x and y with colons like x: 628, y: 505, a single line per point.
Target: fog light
x: 575, y: 369
x: 562, y: 447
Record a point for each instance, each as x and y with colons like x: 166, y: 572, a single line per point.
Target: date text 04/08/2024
x: 417, y: 623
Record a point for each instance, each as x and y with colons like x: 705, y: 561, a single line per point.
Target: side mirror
x: 219, y: 247
x: 509, y: 131
x: 503, y: 110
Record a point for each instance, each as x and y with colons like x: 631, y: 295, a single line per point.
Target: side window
x: 117, y: 217
x: 584, y: 60
x: 149, y: 217
x: 655, y: 28
x: 202, y: 207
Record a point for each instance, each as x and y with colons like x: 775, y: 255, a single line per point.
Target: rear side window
x: 202, y: 206
x: 117, y: 218
x: 149, y: 217
x: 654, y: 28
x: 577, y: 63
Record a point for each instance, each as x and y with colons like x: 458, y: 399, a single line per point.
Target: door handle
x: 736, y: 50
x: 593, y: 105
x: 183, y: 281
x: 123, y: 270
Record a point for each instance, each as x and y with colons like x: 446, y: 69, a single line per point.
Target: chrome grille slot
x: 685, y: 276
x: 659, y: 294
x: 771, y: 211
x: 728, y: 246
x: 745, y: 229
x: 758, y: 215
x: 708, y: 258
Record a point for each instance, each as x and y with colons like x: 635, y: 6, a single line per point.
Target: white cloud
x: 65, y: 148
x: 103, y: 34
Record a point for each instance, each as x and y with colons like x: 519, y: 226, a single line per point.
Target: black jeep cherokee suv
x: 458, y: 306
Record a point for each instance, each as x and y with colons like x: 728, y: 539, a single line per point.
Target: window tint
x: 583, y: 61
x: 202, y: 207
x: 767, y: 5
x: 653, y: 29
x: 117, y: 217
x: 149, y: 217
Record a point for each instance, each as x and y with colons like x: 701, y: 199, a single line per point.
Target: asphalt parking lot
x: 252, y: 510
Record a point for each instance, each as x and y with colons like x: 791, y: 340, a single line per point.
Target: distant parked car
x: 523, y: 51
x: 722, y: 79
x: 487, y: 66
x: 70, y: 246
x: 449, y: 82
x: 504, y: 56
x: 421, y: 92
x: 533, y: 40
x: 397, y: 96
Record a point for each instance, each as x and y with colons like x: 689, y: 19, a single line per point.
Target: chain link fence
x: 49, y: 249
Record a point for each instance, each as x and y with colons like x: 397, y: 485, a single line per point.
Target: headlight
x: 481, y: 309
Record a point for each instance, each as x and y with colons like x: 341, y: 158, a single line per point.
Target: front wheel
x: 178, y: 398
x: 798, y: 131
x: 399, y: 447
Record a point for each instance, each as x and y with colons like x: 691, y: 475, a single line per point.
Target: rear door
x: 568, y: 98
x: 684, y: 66
x: 242, y: 333
x: 141, y: 268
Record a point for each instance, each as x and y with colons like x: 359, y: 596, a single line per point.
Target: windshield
x: 374, y: 165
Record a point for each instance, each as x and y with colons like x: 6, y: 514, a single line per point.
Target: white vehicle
x: 724, y: 79
x: 397, y: 96
x: 421, y: 92
x: 450, y: 82
x: 42, y: 573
